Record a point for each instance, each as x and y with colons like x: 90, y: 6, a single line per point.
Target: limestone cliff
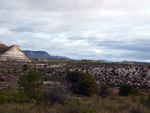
x: 12, y: 53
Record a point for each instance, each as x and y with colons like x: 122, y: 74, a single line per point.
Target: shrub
x: 145, y: 102
x: 135, y: 92
x: 74, y: 107
x: 32, y: 83
x: 148, y: 99
x: 4, y: 98
x: 25, y: 67
x: 21, y: 97
x: 56, y: 94
x: 104, y: 91
x: 72, y: 77
x: 88, y: 110
x: 82, y: 83
x: 125, y: 89
x: 136, y: 110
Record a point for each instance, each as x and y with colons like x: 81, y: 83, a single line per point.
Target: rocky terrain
x: 113, y: 76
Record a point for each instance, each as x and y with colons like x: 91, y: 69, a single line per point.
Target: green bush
x: 82, y: 83
x: 125, y: 89
x: 88, y: 110
x: 21, y: 97
x: 72, y: 77
x: 135, y: 92
x: 74, y: 107
x: 5, y: 98
x: 25, y: 67
x: 31, y: 83
x: 145, y: 102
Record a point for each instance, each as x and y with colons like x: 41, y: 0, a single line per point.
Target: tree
x: 72, y: 76
x: 125, y: 89
x: 82, y: 83
x: 31, y: 83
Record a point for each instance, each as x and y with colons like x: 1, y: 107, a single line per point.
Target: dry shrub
x: 137, y: 110
x: 56, y: 94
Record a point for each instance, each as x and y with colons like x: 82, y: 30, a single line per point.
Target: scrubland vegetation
x: 93, y: 104
x: 79, y: 95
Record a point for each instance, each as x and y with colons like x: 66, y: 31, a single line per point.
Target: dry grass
x: 94, y: 104
x: 18, y: 108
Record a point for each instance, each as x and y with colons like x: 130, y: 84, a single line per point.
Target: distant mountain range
x: 14, y: 52
x: 41, y: 54
x: 137, y: 62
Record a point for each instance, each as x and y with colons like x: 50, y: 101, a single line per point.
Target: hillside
x: 41, y: 54
x: 3, y: 48
x: 12, y: 53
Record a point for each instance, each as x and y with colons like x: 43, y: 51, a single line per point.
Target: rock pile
x: 114, y: 76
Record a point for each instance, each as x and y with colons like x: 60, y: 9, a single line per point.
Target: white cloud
x: 95, y: 29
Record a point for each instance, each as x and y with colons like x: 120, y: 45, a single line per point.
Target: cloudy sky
x: 114, y: 30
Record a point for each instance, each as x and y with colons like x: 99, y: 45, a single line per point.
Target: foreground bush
x: 145, y: 102
x: 56, y: 94
x: 5, y: 98
x: 136, y: 110
x: 125, y: 89
x: 135, y: 92
x: 104, y: 91
x: 82, y: 83
x: 32, y: 84
x: 21, y: 98
x: 128, y: 90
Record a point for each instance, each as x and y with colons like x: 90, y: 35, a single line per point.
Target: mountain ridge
x: 41, y: 54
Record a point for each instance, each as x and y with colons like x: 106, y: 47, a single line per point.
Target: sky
x: 113, y: 30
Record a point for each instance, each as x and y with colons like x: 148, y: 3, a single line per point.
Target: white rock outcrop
x: 14, y: 54
x: 1, y: 42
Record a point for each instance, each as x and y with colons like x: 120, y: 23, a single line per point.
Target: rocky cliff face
x: 12, y: 53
